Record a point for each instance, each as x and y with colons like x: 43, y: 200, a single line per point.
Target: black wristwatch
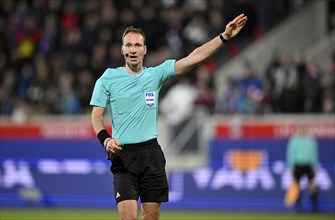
x: 222, y: 39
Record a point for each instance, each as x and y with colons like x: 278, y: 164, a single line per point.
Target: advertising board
x: 50, y: 169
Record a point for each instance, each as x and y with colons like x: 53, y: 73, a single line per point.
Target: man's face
x: 133, y: 46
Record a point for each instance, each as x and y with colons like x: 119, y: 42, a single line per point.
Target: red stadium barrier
x: 51, y: 130
x: 223, y: 129
x: 324, y: 130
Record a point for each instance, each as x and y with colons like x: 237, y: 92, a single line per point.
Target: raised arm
x: 206, y: 50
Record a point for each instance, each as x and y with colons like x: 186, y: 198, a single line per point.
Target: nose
x: 133, y: 50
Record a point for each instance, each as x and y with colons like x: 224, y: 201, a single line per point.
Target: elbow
x: 186, y: 64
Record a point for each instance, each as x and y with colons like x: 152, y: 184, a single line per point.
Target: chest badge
x: 150, y: 99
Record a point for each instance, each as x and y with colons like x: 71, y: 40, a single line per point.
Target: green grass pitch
x: 104, y: 214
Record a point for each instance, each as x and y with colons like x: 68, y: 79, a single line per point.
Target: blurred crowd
x: 289, y: 84
x: 52, y: 51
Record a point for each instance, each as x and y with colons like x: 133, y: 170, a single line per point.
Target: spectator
x: 49, y: 35
x: 83, y: 89
x: 245, y: 93
x: 7, y: 91
x: 177, y: 106
x: 312, y: 88
x: 274, y: 81
x: 328, y: 87
x: 26, y: 79
x: 70, y: 102
x: 291, y: 96
x: 204, y: 85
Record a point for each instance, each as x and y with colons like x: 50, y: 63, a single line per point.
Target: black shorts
x: 139, y: 171
x: 301, y: 170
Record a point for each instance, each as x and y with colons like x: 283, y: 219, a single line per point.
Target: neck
x: 134, y: 69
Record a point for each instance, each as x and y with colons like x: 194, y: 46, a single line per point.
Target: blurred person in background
x: 302, y: 159
x: 205, y: 86
x: 327, y: 82
x: 291, y: 97
x: 245, y: 94
x: 131, y: 93
x: 275, y: 81
x: 312, y: 88
x: 177, y: 105
x: 251, y: 90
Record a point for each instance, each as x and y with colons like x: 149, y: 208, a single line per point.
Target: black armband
x: 222, y: 39
x: 102, y: 135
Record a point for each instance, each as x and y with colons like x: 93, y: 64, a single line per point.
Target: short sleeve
x: 167, y: 70
x: 100, y: 96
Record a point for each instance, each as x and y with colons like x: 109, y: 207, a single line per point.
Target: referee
x: 131, y: 93
x: 302, y: 160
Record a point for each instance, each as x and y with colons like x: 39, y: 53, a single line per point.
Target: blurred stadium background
x: 224, y: 127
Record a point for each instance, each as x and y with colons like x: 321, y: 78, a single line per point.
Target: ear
x: 145, y: 49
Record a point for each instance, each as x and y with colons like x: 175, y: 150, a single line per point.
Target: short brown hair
x: 133, y: 30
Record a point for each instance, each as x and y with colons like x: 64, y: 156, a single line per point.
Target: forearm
x: 96, y: 119
x: 97, y: 123
x: 198, y: 56
x: 205, y: 51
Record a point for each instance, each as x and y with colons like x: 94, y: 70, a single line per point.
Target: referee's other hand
x: 113, y: 146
